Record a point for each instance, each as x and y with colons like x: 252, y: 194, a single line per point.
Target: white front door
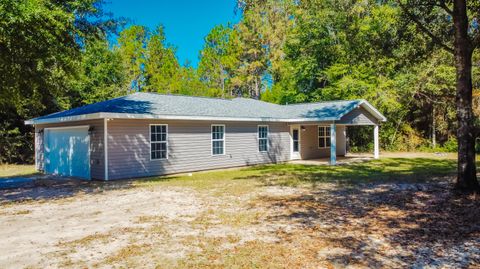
x: 295, y: 142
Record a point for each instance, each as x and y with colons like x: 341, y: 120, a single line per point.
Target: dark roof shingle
x: 179, y: 105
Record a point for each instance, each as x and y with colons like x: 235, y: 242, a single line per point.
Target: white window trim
x: 258, y: 137
x: 223, y: 140
x: 150, y: 140
x: 325, y: 137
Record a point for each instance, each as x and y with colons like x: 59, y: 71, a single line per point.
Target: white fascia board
x: 177, y: 117
x: 206, y: 118
x: 369, y: 108
x: 103, y: 115
x: 373, y: 110
x: 348, y: 111
x: 64, y: 119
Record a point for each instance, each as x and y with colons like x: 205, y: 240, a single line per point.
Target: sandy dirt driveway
x: 48, y: 233
x: 125, y: 226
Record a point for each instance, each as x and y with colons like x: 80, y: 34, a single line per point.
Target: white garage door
x: 67, y: 151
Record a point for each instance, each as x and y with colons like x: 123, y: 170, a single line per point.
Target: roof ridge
x: 253, y: 99
x: 245, y: 98
x: 184, y: 95
x: 322, y: 102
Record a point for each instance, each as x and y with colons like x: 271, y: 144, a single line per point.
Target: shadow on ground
x: 54, y: 188
x: 46, y: 187
x: 381, y: 214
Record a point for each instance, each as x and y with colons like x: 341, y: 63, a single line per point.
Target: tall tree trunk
x: 256, y: 90
x: 466, y: 178
x: 434, y: 127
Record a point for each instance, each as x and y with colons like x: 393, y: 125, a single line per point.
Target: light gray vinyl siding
x: 358, y: 116
x: 97, y: 170
x: 309, y: 143
x: 189, y: 147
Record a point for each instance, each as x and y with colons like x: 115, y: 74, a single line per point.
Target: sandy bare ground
x: 103, y: 228
x: 240, y: 225
x: 39, y: 234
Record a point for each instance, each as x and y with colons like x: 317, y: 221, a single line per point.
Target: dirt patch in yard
x: 393, y: 226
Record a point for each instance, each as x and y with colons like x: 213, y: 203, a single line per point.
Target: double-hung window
x: 218, y: 139
x: 263, y: 138
x: 158, y: 141
x: 323, y: 136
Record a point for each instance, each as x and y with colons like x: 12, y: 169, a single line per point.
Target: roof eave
x: 102, y: 115
x: 369, y: 108
x: 373, y: 110
x: 64, y: 119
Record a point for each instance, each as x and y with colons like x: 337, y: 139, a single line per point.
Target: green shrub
x: 451, y: 145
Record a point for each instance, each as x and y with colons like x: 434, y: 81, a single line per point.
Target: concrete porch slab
x: 341, y: 160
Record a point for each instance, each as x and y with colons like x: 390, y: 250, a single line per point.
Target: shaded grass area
x: 231, y: 181
x: 237, y: 182
x: 399, y: 170
x: 396, y: 170
x: 15, y: 170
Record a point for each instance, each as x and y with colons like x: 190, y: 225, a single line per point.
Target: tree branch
x: 443, y: 5
x: 424, y: 29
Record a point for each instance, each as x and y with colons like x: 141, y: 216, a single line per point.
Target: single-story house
x: 148, y: 134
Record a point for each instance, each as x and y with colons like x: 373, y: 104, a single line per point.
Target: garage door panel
x: 67, y: 152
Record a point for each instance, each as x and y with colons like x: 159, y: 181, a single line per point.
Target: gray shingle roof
x: 178, y: 105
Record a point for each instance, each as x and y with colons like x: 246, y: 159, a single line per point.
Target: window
x: 218, y: 139
x: 263, y: 138
x: 158, y: 141
x: 323, y: 136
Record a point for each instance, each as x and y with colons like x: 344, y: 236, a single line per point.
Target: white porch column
x: 376, y: 148
x: 105, y: 146
x: 333, y: 144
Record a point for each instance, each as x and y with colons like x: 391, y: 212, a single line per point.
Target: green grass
x: 383, y: 170
x: 239, y: 181
x: 231, y: 181
x: 14, y: 170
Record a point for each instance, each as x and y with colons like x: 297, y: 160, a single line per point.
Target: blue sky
x: 186, y: 22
